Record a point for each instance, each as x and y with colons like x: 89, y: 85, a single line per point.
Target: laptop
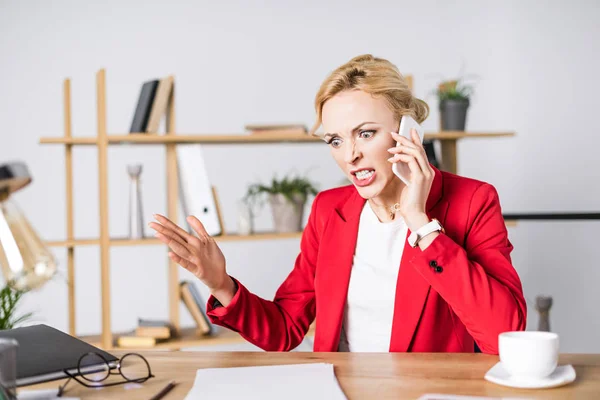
x: 44, y: 353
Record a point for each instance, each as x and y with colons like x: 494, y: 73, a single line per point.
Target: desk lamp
x: 25, y: 261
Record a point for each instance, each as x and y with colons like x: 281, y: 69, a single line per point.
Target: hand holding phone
x: 402, y: 170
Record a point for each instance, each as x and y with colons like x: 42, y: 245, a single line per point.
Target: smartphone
x: 407, y: 123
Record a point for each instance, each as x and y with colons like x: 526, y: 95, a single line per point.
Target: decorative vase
x: 543, y: 305
x: 245, y: 219
x: 453, y: 114
x: 136, y: 220
x: 287, y: 215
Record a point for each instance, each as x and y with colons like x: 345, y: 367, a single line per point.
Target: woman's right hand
x: 200, y: 255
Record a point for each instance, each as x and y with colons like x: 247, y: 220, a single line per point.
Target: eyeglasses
x: 94, y: 368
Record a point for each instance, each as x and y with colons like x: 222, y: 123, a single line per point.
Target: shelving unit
x: 103, y: 140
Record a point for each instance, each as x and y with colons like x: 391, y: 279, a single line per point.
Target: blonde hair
x: 376, y: 76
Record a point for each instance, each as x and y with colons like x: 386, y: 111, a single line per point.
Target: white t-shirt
x: 369, y: 309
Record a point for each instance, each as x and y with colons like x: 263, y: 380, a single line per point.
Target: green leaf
x: 9, y: 301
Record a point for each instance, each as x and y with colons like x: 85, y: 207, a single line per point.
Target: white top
x: 369, y: 309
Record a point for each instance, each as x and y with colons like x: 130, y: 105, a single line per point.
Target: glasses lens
x: 134, y: 367
x: 93, y: 368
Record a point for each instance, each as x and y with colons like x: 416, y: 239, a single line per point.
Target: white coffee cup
x: 528, y: 354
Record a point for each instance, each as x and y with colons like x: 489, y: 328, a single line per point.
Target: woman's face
x: 357, y: 128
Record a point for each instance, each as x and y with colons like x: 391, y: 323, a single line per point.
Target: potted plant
x: 9, y: 300
x: 453, y: 96
x: 287, y: 197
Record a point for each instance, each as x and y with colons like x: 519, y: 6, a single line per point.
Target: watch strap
x: 432, y: 226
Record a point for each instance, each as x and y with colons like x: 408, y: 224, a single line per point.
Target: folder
x: 44, y: 353
x: 196, y: 192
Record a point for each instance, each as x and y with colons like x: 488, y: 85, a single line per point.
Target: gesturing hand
x: 200, y: 255
x: 414, y: 197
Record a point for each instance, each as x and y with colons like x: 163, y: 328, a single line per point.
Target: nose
x: 352, y: 153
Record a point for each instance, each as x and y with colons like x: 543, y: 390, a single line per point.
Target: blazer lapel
x: 411, y: 288
x: 336, y: 258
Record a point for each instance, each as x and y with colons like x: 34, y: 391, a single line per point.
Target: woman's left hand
x: 414, y: 196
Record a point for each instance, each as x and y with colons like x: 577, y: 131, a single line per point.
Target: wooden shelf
x: 142, y: 138
x: 455, y: 135
x: 448, y: 141
x: 151, y: 241
x: 189, y: 338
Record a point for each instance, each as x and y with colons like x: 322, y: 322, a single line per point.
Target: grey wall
x: 242, y: 62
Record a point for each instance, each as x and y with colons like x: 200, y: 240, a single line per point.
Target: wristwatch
x: 433, y: 226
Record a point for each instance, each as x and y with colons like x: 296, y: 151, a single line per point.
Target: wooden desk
x: 361, y: 376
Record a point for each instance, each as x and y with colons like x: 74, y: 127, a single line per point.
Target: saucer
x: 561, y: 376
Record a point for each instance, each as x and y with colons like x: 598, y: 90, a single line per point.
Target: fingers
x: 183, y: 262
x: 198, y: 227
x: 167, y: 232
x: 407, y: 142
x: 418, y: 157
x: 174, y: 227
x: 415, y: 137
x: 413, y: 165
x: 416, y: 154
x: 174, y: 245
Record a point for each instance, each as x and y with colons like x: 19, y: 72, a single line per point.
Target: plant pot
x: 287, y: 215
x: 453, y: 114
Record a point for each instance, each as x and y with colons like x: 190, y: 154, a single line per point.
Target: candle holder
x: 136, y: 219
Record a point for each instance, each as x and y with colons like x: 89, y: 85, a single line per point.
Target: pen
x: 164, y: 391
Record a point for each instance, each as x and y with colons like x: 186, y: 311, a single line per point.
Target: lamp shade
x: 25, y: 261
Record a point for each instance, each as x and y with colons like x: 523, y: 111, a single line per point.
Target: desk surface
x: 361, y: 375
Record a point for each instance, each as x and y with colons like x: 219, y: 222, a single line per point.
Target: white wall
x: 237, y: 63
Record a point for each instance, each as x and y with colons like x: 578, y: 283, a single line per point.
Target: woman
x: 357, y: 272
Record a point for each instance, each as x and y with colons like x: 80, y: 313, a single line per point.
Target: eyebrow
x: 353, y: 130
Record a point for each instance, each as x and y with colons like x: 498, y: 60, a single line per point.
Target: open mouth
x: 364, y: 174
x: 363, y: 177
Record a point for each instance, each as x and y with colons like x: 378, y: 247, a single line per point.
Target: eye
x: 335, y: 142
x: 367, y: 134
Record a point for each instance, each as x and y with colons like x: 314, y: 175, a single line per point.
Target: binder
x: 44, y: 353
x: 195, y: 189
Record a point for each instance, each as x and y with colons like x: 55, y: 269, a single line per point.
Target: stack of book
x: 277, y: 129
x: 149, y: 333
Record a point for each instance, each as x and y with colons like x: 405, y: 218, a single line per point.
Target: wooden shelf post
x: 172, y: 197
x: 69, y: 205
x: 449, y: 157
x: 103, y: 204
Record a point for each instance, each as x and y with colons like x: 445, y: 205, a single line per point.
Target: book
x: 157, y: 329
x: 44, y: 353
x: 195, y: 304
x: 136, y: 342
x: 160, y: 103
x: 144, y: 105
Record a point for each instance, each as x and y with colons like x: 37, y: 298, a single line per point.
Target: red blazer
x: 476, y: 296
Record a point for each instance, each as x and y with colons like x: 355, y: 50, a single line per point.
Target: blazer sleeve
x: 478, y: 280
x: 278, y: 325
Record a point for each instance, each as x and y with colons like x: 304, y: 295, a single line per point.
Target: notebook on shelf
x: 44, y: 353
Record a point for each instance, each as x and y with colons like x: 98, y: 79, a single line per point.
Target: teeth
x: 365, y: 174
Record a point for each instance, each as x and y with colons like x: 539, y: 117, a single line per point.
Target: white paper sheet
x: 41, y: 394
x: 432, y: 396
x: 290, y: 382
